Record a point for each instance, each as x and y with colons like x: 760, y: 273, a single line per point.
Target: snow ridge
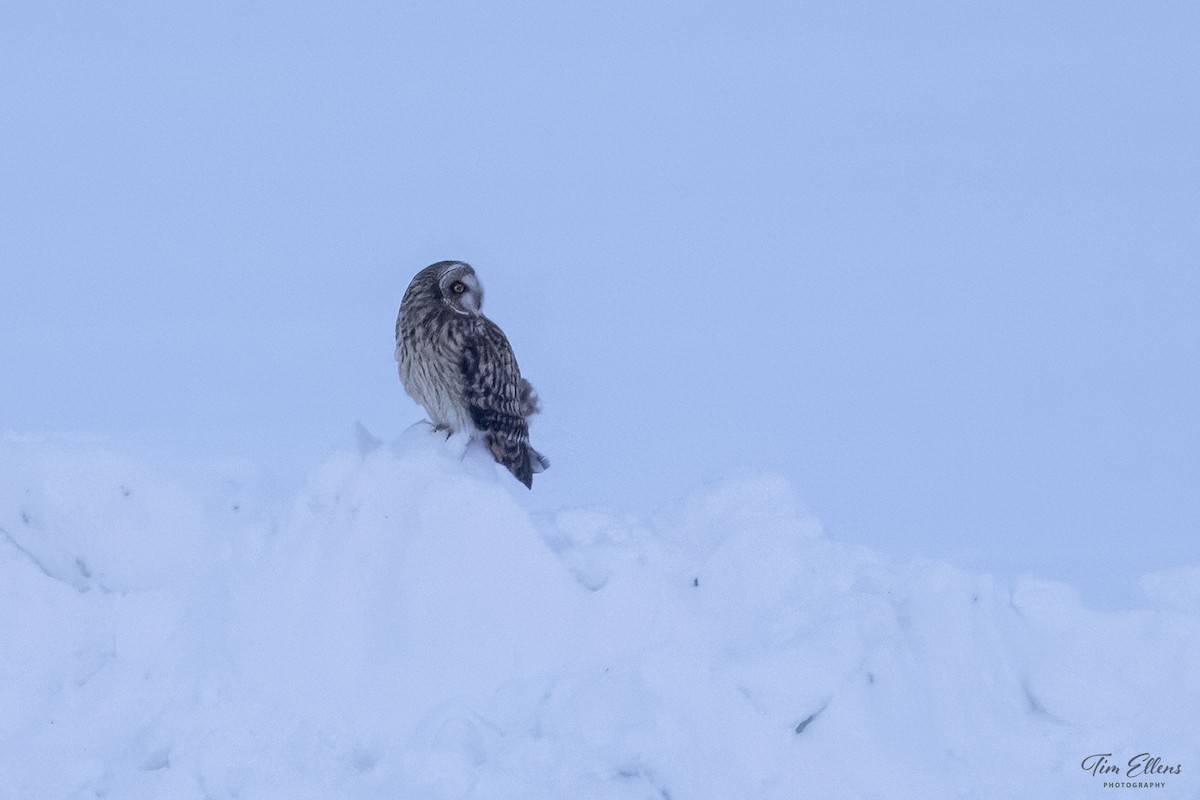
x: 406, y: 629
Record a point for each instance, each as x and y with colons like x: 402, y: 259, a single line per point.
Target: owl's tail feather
x: 527, y: 463
x: 517, y: 456
x: 537, y: 461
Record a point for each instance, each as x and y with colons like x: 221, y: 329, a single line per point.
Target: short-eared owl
x: 458, y: 364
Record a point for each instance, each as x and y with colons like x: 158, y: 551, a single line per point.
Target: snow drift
x: 406, y: 629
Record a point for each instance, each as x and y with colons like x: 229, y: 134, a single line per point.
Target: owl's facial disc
x: 461, y: 289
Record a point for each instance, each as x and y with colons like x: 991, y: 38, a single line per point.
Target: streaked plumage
x: 458, y: 365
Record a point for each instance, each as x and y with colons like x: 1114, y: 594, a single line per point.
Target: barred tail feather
x: 507, y: 437
x: 537, y: 461
x: 513, y: 453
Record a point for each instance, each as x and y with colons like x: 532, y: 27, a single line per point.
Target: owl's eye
x: 458, y: 287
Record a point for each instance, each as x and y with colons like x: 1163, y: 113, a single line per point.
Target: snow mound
x: 405, y: 628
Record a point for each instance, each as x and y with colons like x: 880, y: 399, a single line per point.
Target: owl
x: 458, y: 364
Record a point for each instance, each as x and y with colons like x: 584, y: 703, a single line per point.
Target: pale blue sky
x: 936, y: 263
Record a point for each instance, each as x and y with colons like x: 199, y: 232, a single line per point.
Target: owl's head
x: 458, y: 287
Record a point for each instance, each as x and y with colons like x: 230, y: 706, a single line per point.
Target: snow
x: 406, y: 628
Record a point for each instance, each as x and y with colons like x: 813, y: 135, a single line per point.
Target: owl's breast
x: 430, y: 372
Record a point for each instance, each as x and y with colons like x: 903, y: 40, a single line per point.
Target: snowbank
x: 406, y: 629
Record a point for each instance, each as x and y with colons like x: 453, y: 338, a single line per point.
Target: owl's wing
x: 499, y: 399
x: 491, y: 379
